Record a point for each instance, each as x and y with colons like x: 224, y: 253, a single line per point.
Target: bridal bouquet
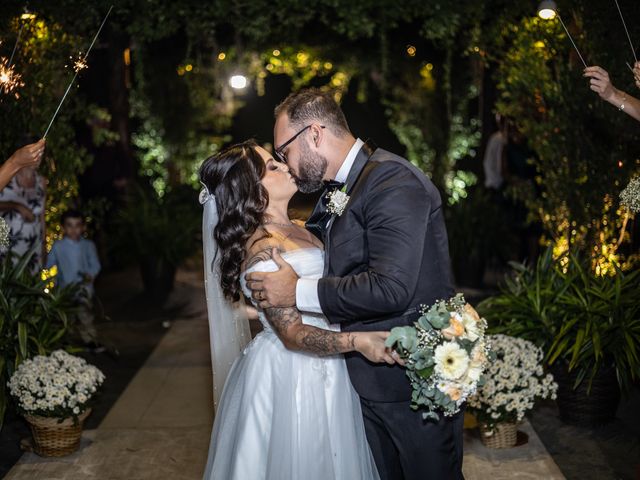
x: 445, y: 354
x: 59, y: 386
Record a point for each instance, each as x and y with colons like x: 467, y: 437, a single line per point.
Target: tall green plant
x: 601, y: 323
x: 527, y: 306
x: 34, y: 320
x: 581, y: 320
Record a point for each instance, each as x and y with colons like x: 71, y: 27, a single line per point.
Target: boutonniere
x: 338, y: 200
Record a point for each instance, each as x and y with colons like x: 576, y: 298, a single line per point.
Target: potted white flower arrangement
x: 513, y: 383
x: 54, y: 393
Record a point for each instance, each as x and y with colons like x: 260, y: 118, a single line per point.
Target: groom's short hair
x: 314, y: 105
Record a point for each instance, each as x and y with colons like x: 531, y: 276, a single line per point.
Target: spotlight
x: 547, y: 10
x: 238, y: 82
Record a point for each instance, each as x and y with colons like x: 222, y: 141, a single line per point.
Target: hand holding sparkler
x: 636, y: 73
x: 601, y: 84
x: 27, y: 156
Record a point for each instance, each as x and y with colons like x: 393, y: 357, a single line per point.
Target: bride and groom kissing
x: 317, y: 395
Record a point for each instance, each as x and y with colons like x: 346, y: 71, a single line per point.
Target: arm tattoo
x: 260, y: 256
x: 308, y: 338
x: 305, y: 337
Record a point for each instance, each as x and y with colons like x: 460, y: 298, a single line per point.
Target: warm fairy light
x: 127, y: 56
x: 411, y: 50
x: 28, y: 16
x: 188, y: 67
x: 539, y: 44
x: 328, y: 65
x: 276, y: 53
x: 222, y: 56
x: 10, y: 80
x: 429, y: 66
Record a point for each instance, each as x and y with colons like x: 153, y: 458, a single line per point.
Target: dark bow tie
x: 330, y: 185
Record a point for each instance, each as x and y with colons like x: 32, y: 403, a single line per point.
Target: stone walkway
x: 159, y: 427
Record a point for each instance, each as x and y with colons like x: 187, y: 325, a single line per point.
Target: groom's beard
x: 311, y: 169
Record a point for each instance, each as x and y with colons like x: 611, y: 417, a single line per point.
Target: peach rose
x: 469, y: 310
x: 454, y: 393
x: 455, y: 328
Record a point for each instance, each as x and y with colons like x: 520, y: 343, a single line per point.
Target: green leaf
x: 22, y: 339
x: 404, y: 337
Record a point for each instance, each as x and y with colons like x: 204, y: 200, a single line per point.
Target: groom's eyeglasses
x: 279, y: 152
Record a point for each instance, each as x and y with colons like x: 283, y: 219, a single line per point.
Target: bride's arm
x: 295, y: 335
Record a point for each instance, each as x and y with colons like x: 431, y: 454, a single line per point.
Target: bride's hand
x: 371, y: 345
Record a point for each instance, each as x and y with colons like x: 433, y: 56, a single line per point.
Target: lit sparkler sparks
x: 10, y: 80
x: 78, y: 65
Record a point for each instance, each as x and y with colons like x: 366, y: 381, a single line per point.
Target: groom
x: 386, y: 254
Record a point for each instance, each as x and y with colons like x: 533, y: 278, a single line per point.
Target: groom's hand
x: 274, y: 289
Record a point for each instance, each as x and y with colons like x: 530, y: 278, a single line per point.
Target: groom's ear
x: 316, y: 134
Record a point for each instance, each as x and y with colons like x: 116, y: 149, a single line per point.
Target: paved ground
x: 159, y: 425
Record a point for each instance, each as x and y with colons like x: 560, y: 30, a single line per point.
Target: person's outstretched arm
x: 601, y: 83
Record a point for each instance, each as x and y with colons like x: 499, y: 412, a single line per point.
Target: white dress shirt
x: 307, y: 299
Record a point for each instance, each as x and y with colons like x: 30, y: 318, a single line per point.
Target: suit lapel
x: 356, y: 169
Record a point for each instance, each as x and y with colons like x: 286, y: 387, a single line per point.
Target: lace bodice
x: 308, y: 263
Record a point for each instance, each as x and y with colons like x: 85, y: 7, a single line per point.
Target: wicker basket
x: 53, y: 439
x: 504, y: 435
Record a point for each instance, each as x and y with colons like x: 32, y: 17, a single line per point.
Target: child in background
x: 77, y: 262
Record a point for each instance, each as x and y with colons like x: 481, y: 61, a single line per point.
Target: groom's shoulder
x: 394, y: 168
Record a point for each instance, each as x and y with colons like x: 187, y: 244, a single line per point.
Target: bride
x: 287, y: 410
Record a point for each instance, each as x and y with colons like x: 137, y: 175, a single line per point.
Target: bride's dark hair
x: 234, y: 177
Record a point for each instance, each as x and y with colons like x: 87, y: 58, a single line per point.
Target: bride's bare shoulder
x: 259, y: 247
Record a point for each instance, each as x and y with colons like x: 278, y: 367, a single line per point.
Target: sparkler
x: 78, y: 66
x: 10, y: 80
x: 624, y: 24
x: 572, y: 42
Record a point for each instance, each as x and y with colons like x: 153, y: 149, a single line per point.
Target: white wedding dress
x: 287, y: 415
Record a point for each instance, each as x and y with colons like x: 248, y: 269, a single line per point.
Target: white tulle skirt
x: 288, y: 415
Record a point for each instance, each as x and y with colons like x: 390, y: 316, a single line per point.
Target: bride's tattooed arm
x: 295, y: 335
x: 298, y: 336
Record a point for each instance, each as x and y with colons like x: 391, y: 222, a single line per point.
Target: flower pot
x: 53, y: 438
x: 503, y: 435
x: 580, y: 407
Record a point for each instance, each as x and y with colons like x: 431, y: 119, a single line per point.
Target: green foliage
x: 153, y: 227
x: 601, y: 323
x: 42, y: 54
x: 584, y: 147
x: 585, y: 320
x: 527, y: 306
x: 34, y: 320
